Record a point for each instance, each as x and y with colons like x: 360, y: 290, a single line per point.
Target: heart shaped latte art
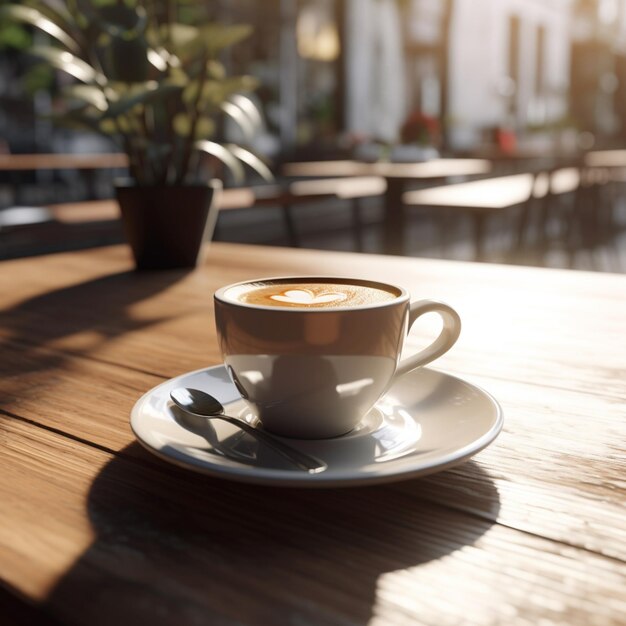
x: 304, y: 296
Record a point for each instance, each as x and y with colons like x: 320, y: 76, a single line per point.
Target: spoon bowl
x: 199, y: 402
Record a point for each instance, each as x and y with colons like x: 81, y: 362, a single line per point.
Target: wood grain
x: 549, y: 339
x: 91, y: 401
x: 530, y: 532
x: 153, y: 542
x: 17, y: 162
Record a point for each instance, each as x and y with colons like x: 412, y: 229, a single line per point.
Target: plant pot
x: 411, y: 153
x: 166, y: 225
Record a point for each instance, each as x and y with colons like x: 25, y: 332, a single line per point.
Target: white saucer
x: 427, y: 422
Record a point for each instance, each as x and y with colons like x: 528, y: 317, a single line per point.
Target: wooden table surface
x: 94, y: 530
x: 606, y: 158
x: 428, y: 170
x: 492, y: 193
x: 74, y: 161
x: 480, y: 198
x: 397, y: 176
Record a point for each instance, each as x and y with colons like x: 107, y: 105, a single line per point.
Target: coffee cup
x: 312, y: 355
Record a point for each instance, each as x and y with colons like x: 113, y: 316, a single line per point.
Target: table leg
x: 394, y: 218
x: 91, y: 179
x: 294, y: 241
x: 357, y: 224
x: 479, y: 220
x: 522, y: 225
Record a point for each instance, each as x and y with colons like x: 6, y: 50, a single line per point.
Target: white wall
x: 376, y: 73
x: 479, y: 58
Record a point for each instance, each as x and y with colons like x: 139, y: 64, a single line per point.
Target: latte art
x: 305, y: 296
x: 311, y: 295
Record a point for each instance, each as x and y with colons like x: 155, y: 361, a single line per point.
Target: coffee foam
x: 316, y: 295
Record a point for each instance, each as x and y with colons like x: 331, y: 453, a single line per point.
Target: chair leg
x: 444, y: 226
x: 544, y: 224
x: 479, y: 220
x: 522, y: 226
x: 290, y: 226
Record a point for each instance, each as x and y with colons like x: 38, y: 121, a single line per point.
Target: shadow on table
x: 91, y: 313
x: 174, y: 547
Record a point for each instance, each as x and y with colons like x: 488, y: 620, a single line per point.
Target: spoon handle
x: 299, y: 459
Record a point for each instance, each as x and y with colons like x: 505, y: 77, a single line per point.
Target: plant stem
x: 195, y: 108
x: 170, y: 161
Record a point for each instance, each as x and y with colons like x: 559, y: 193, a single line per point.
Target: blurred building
x: 336, y: 74
x: 509, y: 65
x: 535, y: 67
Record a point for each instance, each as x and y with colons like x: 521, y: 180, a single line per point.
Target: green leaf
x: 252, y: 160
x: 28, y: 15
x: 239, y: 117
x: 211, y: 38
x: 124, y: 123
x: 182, y: 124
x: 215, y: 92
x: 58, y: 14
x: 216, y: 70
x: 249, y: 108
x: 87, y: 93
x: 108, y: 127
x: 224, y: 155
x: 149, y: 93
x: 68, y: 63
x: 78, y: 118
x: 205, y: 127
x: 14, y: 36
x: 178, y: 34
x: 219, y: 36
x: 158, y: 58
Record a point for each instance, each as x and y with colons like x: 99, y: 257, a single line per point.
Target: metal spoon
x: 201, y: 403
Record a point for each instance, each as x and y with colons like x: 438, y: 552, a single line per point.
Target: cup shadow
x: 175, y: 547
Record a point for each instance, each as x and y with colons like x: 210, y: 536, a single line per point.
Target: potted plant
x: 420, y: 136
x: 148, y: 75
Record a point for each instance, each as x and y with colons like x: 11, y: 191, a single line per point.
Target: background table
x: 74, y: 161
x: 397, y: 177
x: 87, y: 163
x: 481, y: 198
x: 94, y: 530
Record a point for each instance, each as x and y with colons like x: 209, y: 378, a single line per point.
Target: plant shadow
x: 85, y: 315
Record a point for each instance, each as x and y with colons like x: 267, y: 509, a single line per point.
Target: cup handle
x: 446, y: 339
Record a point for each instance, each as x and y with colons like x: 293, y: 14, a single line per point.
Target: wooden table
x: 88, y: 163
x: 74, y: 161
x: 481, y: 198
x: 606, y: 158
x: 284, y: 196
x: 397, y: 176
x: 94, y: 530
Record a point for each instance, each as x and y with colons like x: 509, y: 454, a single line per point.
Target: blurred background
x: 529, y: 85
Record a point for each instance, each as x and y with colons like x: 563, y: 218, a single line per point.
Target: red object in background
x: 420, y: 128
x: 506, y: 140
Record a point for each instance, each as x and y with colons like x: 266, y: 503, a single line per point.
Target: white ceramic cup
x: 314, y: 373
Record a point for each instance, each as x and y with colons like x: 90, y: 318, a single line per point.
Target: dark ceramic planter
x: 165, y: 226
